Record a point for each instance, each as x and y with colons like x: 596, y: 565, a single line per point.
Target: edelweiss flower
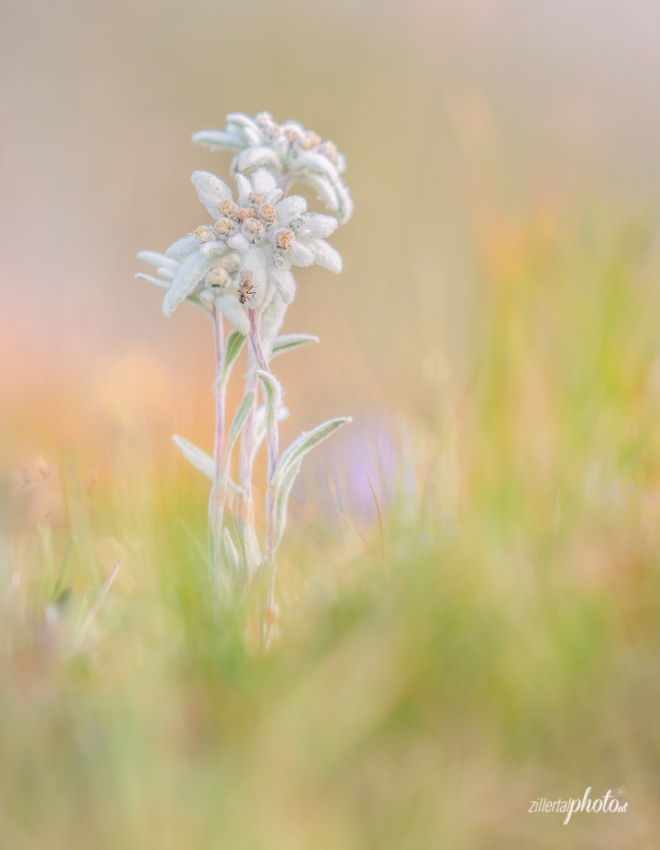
x: 289, y: 151
x: 261, y: 232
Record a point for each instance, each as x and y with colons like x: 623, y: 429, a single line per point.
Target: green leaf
x: 304, y: 444
x: 233, y: 347
x: 282, y: 501
x: 273, y: 393
x: 287, y: 342
x: 288, y: 468
x: 247, y: 536
x: 238, y: 421
x: 194, y: 455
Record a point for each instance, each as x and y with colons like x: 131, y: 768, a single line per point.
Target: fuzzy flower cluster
x: 238, y: 266
x: 289, y: 151
x: 260, y: 231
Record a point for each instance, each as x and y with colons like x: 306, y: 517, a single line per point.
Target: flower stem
x: 272, y: 446
x: 272, y: 438
x: 245, y: 467
x: 216, y: 499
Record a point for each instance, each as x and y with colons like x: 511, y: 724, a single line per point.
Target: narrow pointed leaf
x: 219, y: 140
x: 247, y: 536
x: 282, y: 500
x: 161, y: 284
x: 304, y: 444
x: 166, y: 273
x: 238, y: 421
x: 256, y: 157
x: 273, y: 391
x: 189, y: 274
x: 287, y: 342
x: 233, y: 348
x: 155, y: 258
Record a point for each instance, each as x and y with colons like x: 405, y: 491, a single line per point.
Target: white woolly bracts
x: 289, y: 151
x: 260, y: 232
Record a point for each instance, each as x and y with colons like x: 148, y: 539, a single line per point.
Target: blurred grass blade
x: 231, y: 553
x: 63, y: 567
x: 89, y: 619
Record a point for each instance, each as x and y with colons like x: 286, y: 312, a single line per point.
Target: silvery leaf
x: 256, y: 157
x: 326, y: 192
x: 273, y: 197
x: 290, y: 208
x: 155, y: 258
x: 247, y: 125
x: 287, y: 342
x: 211, y: 190
x: 345, y: 202
x: 299, y: 254
x: 281, y: 148
x: 325, y: 255
x: 244, y: 188
x: 194, y: 455
x: 273, y: 393
x: 232, y: 310
x: 321, y: 226
x: 233, y: 348
x: 231, y: 140
x: 318, y: 164
x: 341, y: 162
x: 305, y: 443
x: 282, y: 501
x: 238, y: 242
x: 285, y: 283
x: 168, y: 274
x: 191, y: 271
x: 161, y: 284
x: 264, y: 183
x: 183, y: 247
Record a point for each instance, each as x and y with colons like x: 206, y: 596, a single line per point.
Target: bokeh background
x: 494, y: 334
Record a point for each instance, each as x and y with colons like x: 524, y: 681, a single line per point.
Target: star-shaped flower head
x: 289, y: 151
x: 260, y: 232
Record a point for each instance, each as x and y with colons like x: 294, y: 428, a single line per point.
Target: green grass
x: 506, y: 648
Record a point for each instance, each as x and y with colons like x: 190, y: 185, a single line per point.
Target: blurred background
x: 494, y: 334
x: 460, y: 121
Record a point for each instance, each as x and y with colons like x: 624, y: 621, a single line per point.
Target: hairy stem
x: 272, y: 445
x: 245, y: 463
x: 216, y: 499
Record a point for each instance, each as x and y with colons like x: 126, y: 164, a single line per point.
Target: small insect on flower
x: 245, y: 288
